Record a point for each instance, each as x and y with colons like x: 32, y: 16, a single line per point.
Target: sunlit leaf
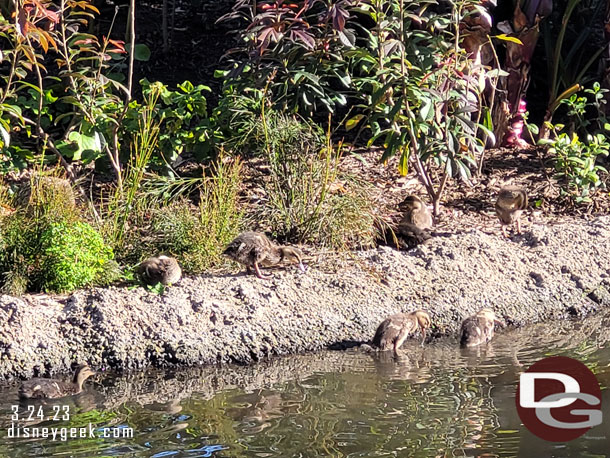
x: 505, y: 37
x: 353, y: 121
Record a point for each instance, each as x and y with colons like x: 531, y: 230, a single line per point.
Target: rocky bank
x: 550, y: 272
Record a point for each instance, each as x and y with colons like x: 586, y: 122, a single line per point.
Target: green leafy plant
x: 73, y: 255
x: 63, y: 90
x: 577, y: 166
x: 237, y: 116
x: 298, y: 47
x: 46, y: 246
x: 182, y: 116
x: 586, y: 112
x: 421, y: 92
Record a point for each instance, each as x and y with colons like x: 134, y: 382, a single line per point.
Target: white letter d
x: 527, y: 389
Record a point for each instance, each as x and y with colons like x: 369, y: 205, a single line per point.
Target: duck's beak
x: 500, y: 323
x: 423, y: 336
x: 302, y: 267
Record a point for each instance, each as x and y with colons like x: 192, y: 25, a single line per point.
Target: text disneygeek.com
x: 19, y: 428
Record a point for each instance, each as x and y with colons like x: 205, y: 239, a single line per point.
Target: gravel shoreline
x: 549, y: 272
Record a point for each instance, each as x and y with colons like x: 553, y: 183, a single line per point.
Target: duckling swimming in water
x: 511, y: 202
x: 478, y: 329
x: 161, y: 269
x: 393, y: 331
x: 255, y: 250
x: 47, y: 388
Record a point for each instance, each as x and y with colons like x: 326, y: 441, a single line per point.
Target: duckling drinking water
x: 47, y: 388
x: 255, y: 250
x: 478, y: 329
x: 393, y: 331
x: 161, y: 269
x: 511, y: 202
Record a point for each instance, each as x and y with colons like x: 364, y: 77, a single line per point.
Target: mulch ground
x: 471, y: 204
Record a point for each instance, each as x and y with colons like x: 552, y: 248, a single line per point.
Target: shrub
x: 59, y: 258
x: 199, y: 237
x: 182, y: 115
x: 295, y: 49
x: 48, y: 199
x: 576, y: 163
x: 74, y: 255
x: 420, y: 91
x: 309, y: 198
x: 46, y: 247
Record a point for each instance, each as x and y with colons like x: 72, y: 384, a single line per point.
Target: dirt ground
x: 469, y: 205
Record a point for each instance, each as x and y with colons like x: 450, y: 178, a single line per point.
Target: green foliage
x: 298, y: 49
x: 420, y: 91
x: 199, y: 236
x: 73, y: 255
x: 182, y: 116
x: 74, y: 103
x: 576, y: 163
x: 46, y: 248
x: 237, y: 117
x: 61, y: 91
x: 309, y: 198
x: 586, y: 112
x: 124, y: 204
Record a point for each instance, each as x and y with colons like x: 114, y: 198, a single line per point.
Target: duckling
x: 414, y: 227
x: 161, y: 269
x: 511, y: 202
x: 479, y: 328
x: 254, y: 249
x: 395, y: 329
x: 39, y: 388
x: 415, y: 212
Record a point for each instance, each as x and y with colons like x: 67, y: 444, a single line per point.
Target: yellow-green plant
x: 45, y: 244
x: 576, y: 163
x: 197, y: 236
x: 124, y: 203
x: 309, y: 198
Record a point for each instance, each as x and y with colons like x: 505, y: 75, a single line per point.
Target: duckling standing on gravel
x: 478, y: 329
x: 254, y: 250
x: 47, y: 388
x: 393, y: 331
x: 511, y: 202
x: 414, y: 227
x: 159, y: 269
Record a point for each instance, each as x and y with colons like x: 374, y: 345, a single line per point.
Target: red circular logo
x: 559, y: 399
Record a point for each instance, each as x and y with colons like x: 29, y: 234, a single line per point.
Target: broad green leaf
x: 141, y: 53
x: 353, y: 121
x: 6, y: 139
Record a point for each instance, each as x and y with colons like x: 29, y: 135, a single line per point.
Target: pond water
x: 436, y: 401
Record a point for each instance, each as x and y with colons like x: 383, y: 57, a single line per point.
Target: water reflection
x: 436, y: 401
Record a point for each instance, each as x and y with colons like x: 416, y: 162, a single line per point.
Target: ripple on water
x: 439, y: 400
